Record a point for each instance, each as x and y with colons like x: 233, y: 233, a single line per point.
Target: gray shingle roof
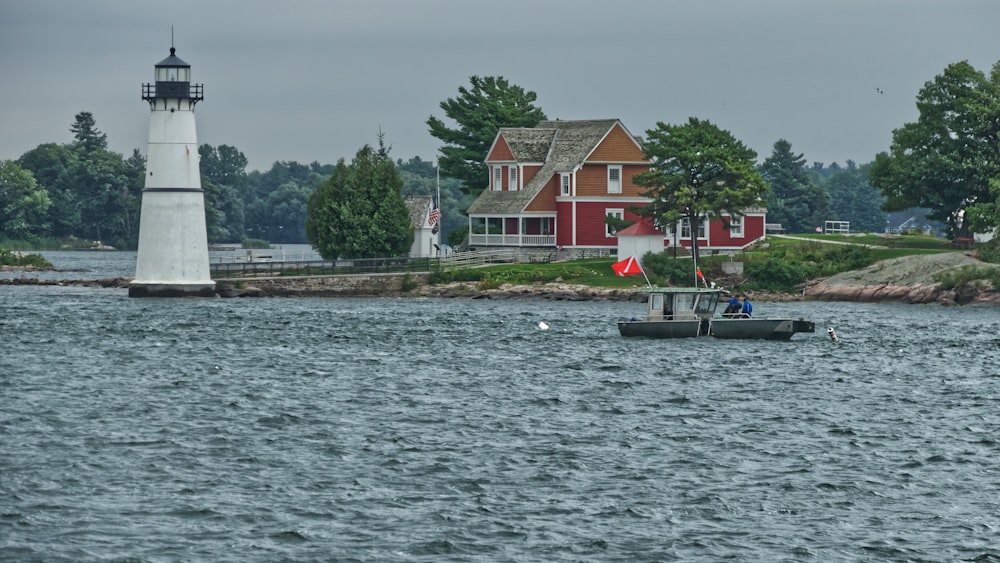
x: 566, y: 145
x: 419, y: 207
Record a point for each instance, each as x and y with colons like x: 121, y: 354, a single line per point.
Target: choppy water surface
x: 435, y: 430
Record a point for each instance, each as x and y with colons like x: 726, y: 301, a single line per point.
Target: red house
x: 552, y: 186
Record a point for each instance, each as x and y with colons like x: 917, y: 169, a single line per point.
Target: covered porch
x: 519, y: 230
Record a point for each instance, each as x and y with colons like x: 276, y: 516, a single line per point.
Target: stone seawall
x: 363, y: 285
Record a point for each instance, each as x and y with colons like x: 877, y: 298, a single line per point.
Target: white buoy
x: 833, y: 335
x: 543, y: 326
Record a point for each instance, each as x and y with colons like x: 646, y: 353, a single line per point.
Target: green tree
x: 360, y: 212
x: 224, y: 180
x: 946, y: 160
x: 984, y: 216
x: 281, y: 218
x: 793, y: 201
x: 480, y: 112
x: 421, y: 178
x: 51, y: 165
x: 698, y: 172
x: 853, y: 199
x: 101, y: 183
x: 23, y: 203
x: 276, y: 200
x: 84, y: 130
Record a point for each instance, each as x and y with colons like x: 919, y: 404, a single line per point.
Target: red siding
x: 500, y: 151
x: 510, y: 225
x: 545, y: 201
x: 591, y: 230
x: 617, y: 146
x: 564, y: 224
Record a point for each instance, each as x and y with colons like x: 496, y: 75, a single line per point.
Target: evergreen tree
x: 699, y: 172
x: 480, y: 112
x: 794, y: 201
x: 360, y: 212
x: 853, y: 199
x: 84, y: 130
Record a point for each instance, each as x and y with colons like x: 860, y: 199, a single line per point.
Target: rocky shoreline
x: 907, y: 279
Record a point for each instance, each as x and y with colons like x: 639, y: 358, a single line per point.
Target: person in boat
x: 733, y: 307
x: 746, y: 311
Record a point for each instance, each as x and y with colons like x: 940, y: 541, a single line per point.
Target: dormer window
x: 497, y: 178
x: 512, y: 179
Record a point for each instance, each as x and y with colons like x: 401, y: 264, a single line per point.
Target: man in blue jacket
x: 747, y: 309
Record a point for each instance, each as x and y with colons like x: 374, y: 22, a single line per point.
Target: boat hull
x: 660, y: 329
x: 766, y: 329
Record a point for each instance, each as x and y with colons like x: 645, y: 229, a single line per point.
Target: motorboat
x: 691, y: 312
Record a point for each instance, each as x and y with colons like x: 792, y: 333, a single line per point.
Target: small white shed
x: 638, y: 239
x: 426, y: 239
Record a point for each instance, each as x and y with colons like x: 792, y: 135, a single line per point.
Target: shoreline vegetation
x: 915, y: 279
x: 866, y: 267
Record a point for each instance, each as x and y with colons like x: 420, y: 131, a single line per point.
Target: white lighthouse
x: 172, y: 260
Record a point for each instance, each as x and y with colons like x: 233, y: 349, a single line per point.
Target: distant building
x: 554, y: 184
x: 426, y: 228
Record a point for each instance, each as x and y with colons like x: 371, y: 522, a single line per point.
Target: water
x: 456, y: 430
x: 93, y: 265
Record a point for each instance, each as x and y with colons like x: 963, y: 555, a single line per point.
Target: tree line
x: 947, y: 162
x: 80, y: 190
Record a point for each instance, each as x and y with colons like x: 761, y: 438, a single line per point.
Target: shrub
x: 776, y: 274
x: 990, y: 251
x: 255, y: 243
x: 675, y: 271
x: 966, y: 275
x: 8, y: 258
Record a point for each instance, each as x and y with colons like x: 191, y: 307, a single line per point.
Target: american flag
x: 434, y: 217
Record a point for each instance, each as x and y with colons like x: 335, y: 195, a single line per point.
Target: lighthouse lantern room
x: 172, y: 258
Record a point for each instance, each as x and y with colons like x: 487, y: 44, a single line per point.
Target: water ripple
x: 387, y: 429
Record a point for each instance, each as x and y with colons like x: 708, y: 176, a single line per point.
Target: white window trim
x: 686, y: 229
x: 497, y: 178
x: 565, y: 184
x: 512, y: 178
x: 735, y: 226
x: 614, y: 187
x: 617, y: 214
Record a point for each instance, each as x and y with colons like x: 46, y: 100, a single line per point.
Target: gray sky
x: 314, y: 80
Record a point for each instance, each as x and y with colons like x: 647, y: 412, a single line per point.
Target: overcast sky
x: 314, y: 80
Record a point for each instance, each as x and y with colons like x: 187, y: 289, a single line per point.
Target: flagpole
x: 440, y: 216
x: 694, y: 256
x: 643, y: 270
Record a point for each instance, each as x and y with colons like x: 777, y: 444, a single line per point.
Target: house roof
x: 640, y: 228
x: 419, y: 207
x: 562, y: 146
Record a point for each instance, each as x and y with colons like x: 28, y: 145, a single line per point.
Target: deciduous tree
x: 23, y: 203
x: 699, y: 172
x: 946, y: 160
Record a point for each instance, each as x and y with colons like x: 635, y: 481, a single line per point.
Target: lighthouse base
x: 172, y: 289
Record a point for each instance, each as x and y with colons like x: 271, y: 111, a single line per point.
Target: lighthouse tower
x: 172, y: 260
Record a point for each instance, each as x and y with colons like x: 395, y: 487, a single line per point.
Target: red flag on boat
x: 628, y: 267
x: 701, y: 275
